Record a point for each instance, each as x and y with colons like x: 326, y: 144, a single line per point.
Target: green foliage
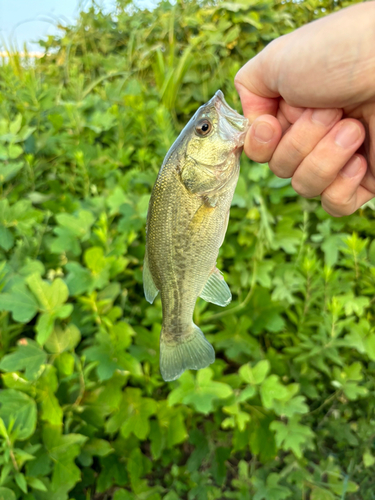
x: 286, y: 411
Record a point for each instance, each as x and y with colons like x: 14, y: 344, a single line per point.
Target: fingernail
x: 348, y: 135
x: 324, y: 116
x: 351, y: 169
x: 263, y: 132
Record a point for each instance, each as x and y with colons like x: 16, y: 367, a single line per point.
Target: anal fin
x: 149, y: 287
x: 216, y: 290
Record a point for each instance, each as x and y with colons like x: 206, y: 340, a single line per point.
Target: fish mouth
x: 239, y: 122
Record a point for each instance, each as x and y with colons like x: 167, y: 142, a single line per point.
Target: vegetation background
x: 287, y: 410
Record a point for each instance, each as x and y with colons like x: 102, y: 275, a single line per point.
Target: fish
x: 187, y: 220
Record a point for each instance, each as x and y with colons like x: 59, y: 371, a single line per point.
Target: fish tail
x: 190, y: 351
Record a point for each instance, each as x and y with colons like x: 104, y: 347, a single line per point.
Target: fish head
x: 215, y: 133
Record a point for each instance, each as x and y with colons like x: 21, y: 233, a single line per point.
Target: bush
x: 286, y: 411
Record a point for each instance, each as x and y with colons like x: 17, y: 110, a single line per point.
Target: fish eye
x: 203, y: 128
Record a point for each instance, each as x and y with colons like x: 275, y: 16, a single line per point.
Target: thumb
x: 256, y: 97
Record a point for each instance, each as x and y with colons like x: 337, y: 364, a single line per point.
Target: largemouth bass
x: 186, y: 224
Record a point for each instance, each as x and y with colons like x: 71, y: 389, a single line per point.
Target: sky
x: 25, y: 21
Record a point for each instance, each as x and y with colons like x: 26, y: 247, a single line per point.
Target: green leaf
x: 6, y: 494
x: 354, y: 305
x: 157, y: 440
x: 20, y: 302
x: 78, y: 224
x: 65, y: 363
x: 63, y: 449
x: 261, y: 438
x: 247, y: 393
x: 79, y: 279
x: 99, y: 265
x: 63, y: 340
x: 18, y: 407
x: 136, y: 469
x: 15, y: 125
x: 200, y: 393
x: 95, y: 260
x: 239, y: 417
x: 200, y: 442
x: 330, y: 247
x: 293, y: 436
x: 132, y: 415
x: 51, y: 298
x: 271, y: 390
x: 368, y: 458
x: 14, y: 381
x: 113, y: 471
x: 98, y: 447
x: 321, y: 494
x: 29, y: 357
x: 103, y: 355
x: 177, y: 432
x: 371, y: 253
x: 44, y: 327
x: 219, y: 467
x: 116, y: 199
x: 263, y: 273
x: 256, y: 375
x: 122, y: 494
x: 291, y: 407
x: 36, y: 483
x: 270, y: 489
x: 6, y: 238
x: 46, y: 387
x: 370, y: 346
x: 66, y: 241
x: 7, y: 172
x: 21, y: 481
x: 14, y: 151
x: 50, y: 295
x: 353, y: 391
x: 171, y: 424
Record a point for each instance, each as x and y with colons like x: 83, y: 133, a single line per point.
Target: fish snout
x: 233, y: 126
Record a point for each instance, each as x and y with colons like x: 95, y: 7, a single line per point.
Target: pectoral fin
x: 149, y: 287
x: 216, y: 290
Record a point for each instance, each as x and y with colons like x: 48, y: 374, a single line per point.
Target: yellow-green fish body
x: 187, y: 220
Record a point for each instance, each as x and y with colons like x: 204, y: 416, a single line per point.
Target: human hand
x: 328, y: 65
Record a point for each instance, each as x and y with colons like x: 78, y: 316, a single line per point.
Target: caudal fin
x: 191, y: 352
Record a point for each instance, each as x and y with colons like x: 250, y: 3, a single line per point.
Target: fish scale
x: 186, y: 223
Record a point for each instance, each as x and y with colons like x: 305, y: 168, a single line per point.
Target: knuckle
x: 301, y: 189
x: 330, y: 211
x: 278, y: 170
x: 320, y: 170
x: 297, y: 148
x: 333, y: 199
x: 334, y: 204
